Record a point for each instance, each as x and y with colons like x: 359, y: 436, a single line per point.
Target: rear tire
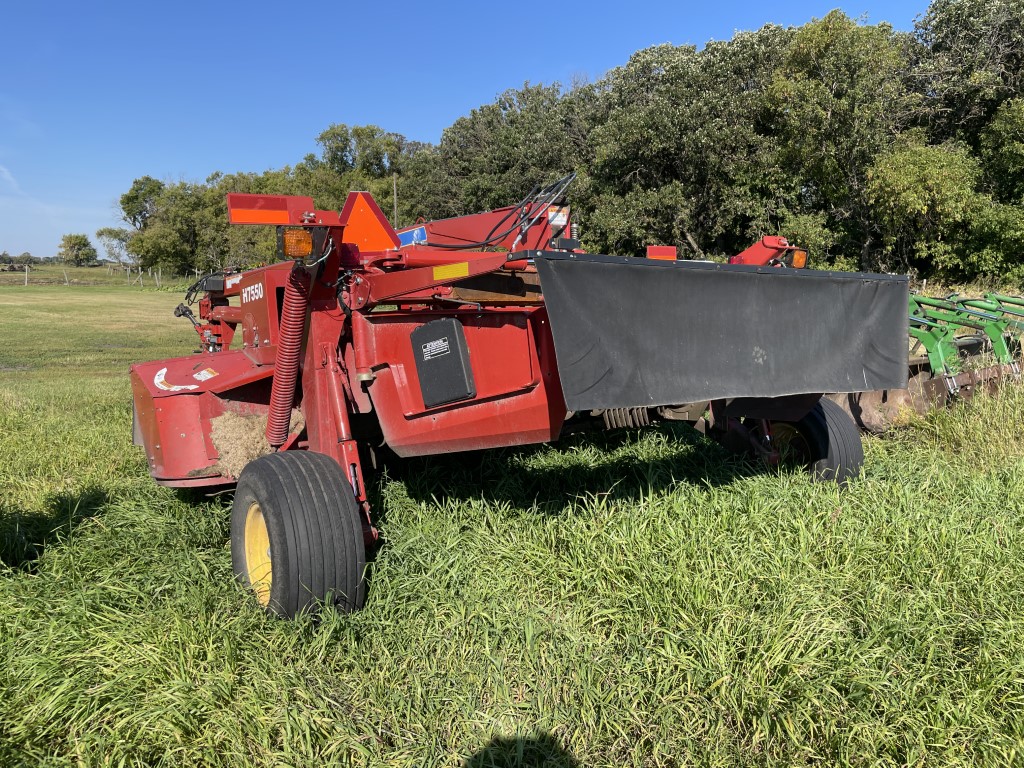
x: 296, y: 534
x: 826, y: 441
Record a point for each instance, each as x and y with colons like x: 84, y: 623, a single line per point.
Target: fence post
x: 26, y: 274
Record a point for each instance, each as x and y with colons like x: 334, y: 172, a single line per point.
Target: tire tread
x: 315, y: 529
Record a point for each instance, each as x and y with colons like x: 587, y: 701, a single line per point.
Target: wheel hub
x: 258, y: 554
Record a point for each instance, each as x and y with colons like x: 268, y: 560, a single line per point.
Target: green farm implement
x: 957, y: 346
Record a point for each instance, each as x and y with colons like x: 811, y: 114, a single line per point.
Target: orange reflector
x: 662, y: 252
x: 298, y: 243
x: 798, y: 259
x: 244, y: 216
x: 365, y: 225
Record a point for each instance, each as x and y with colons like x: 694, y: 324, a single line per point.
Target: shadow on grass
x: 530, y: 477
x: 25, y: 535
x: 539, y: 751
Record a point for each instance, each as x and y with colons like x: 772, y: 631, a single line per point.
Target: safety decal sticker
x: 203, y: 375
x: 161, y: 382
x: 233, y: 281
x: 558, y: 216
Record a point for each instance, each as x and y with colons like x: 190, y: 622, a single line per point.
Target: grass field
x: 641, y: 600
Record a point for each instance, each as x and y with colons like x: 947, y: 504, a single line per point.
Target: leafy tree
x: 814, y: 231
x: 222, y: 245
x: 972, y: 61
x: 377, y: 153
x: 991, y: 246
x: 186, y: 225
x: 115, y: 242
x: 362, y: 157
x: 491, y: 157
x: 921, y: 197
x: 686, y: 134
x: 5, y: 258
x: 1002, y: 149
x: 25, y: 258
x: 171, y: 233
x: 935, y: 220
x: 626, y: 223
x: 840, y: 99
x: 138, y: 204
x: 336, y: 149
x: 76, y: 250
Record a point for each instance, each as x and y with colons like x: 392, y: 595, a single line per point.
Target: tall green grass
x: 639, y: 599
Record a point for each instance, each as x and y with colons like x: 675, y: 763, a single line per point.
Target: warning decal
x: 161, y: 382
x: 558, y: 216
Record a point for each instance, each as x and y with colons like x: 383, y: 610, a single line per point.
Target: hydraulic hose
x: 286, y: 364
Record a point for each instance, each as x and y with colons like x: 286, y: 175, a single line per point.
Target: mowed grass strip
x: 636, y: 599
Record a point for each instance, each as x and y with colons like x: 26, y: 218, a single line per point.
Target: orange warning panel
x: 365, y: 225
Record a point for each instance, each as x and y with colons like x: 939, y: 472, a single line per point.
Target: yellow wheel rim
x: 790, y: 443
x: 257, y: 553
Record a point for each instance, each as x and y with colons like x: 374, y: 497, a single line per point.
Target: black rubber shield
x: 638, y: 332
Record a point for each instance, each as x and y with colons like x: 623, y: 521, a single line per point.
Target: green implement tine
x: 1013, y: 301
x: 936, y: 339
x: 995, y: 308
x: 950, y: 313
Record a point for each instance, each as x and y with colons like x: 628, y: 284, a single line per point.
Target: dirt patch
x: 240, y: 438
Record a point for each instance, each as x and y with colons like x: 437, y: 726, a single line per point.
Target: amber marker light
x: 798, y: 259
x: 297, y: 243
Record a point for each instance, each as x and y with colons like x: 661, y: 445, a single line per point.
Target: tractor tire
x: 296, y: 535
x: 826, y: 441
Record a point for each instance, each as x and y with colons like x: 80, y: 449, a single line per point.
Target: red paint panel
x: 518, y: 400
x: 762, y: 252
x: 175, y: 401
x: 382, y: 287
x: 239, y: 200
x: 267, y: 209
x: 196, y: 374
x: 464, y: 230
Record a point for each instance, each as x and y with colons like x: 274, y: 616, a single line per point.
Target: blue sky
x: 94, y: 95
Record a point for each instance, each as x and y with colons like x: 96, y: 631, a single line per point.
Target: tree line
x: 876, y: 149
x: 22, y: 259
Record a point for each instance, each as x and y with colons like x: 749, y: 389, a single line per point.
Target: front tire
x: 826, y: 441
x: 296, y: 534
